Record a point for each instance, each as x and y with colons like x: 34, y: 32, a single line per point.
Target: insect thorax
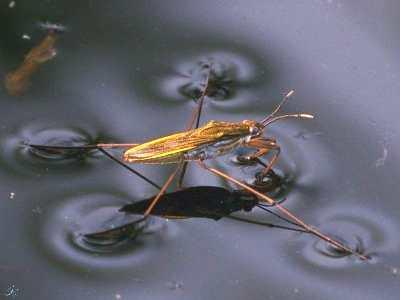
x: 214, y: 150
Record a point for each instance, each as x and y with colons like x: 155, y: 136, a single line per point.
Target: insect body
x: 209, y: 141
x: 213, y: 139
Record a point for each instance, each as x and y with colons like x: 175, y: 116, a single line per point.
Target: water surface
x: 127, y: 71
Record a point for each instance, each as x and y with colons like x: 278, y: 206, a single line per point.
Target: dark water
x: 125, y: 71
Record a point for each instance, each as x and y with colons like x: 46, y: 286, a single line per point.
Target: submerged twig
x: 18, y: 81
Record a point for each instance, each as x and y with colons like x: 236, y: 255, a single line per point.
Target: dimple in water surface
x: 19, y: 156
x: 63, y: 226
x: 227, y: 73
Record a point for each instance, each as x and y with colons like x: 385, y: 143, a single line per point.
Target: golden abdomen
x: 212, y: 139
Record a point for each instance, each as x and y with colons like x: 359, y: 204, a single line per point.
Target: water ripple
x: 362, y: 232
x: 18, y: 156
x: 64, y: 225
x: 278, y: 183
x: 229, y: 74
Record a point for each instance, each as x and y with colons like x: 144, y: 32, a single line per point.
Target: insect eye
x: 254, y: 130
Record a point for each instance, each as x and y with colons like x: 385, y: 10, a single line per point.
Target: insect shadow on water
x: 209, y: 141
x: 197, y: 202
x: 210, y: 202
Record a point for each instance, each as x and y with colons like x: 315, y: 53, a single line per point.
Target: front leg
x: 264, y: 146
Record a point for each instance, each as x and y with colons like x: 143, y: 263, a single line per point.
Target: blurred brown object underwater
x: 18, y: 81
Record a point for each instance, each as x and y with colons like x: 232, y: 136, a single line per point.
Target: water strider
x: 209, y: 141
